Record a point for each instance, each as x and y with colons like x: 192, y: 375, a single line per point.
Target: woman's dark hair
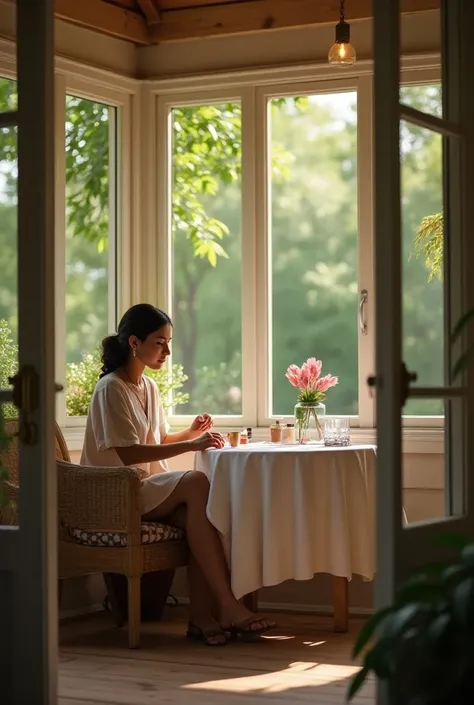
x: 140, y: 320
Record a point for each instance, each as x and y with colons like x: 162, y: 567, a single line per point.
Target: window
x: 309, y: 241
x: 314, y: 244
x: 422, y: 230
x: 8, y: 241
x: 206, y: 230
x: 91, y: 223
x: 271, y: 243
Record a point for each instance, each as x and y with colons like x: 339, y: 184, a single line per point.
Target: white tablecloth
x: 288, y: 512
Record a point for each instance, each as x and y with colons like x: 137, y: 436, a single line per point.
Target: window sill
x: 415, y: 440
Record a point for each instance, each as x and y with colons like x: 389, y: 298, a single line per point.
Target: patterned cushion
x: 151, y: 533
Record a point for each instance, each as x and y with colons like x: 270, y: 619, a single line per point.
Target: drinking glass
x: 337, y: 431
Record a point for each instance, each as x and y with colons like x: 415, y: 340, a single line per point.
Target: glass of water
x: 337, y: 431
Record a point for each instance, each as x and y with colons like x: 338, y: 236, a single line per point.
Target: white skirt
x: 158, y: 487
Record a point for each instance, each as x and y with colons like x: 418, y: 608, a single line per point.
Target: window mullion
x: 263, y: 244
x: 249, y: 276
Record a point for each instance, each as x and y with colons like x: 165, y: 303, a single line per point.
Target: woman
x: 126, y: 426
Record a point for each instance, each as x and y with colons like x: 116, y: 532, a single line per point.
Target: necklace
x: 137, y: 388
x: 140, y: 383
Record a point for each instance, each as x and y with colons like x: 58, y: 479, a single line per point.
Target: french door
x: 401, y: 549
x: 28, y: 552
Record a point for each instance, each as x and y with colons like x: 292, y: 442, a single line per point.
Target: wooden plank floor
x: 303, y: 661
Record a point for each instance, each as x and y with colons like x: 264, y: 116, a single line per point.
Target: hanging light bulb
x: 342, y: 53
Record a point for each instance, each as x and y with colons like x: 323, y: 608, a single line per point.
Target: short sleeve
x: 164, y: 425
x: 111, y: 418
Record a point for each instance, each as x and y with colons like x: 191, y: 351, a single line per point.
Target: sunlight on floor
x: 316, y: 674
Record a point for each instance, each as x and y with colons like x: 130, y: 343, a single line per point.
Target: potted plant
x: 423, y: 649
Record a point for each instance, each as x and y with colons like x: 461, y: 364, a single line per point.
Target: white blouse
x: 117, y: 419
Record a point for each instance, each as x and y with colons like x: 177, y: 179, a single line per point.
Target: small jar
x: 288, y: 433
x: 244, y: 437
x: 249, y: 434
x: 275, y: 432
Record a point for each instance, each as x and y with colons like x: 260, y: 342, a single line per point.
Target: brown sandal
x: 206, y: 635
x: 243, y: 630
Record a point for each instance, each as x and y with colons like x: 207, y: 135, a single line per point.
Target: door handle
x: 26, y: 394
x: 364, y: 295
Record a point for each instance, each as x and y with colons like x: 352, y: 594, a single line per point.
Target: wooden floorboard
x: 303, y: 661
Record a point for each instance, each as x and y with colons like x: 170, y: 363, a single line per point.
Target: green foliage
x: 8, y: 364
x: 87, y: 179
x: 422, y: 646
x: 313, y: 231
x: 82, y: 377
x: 429, y: 244
x: 223, y: 382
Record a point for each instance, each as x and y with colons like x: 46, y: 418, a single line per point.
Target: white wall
x: 81, y: 45
x: 420, y: 33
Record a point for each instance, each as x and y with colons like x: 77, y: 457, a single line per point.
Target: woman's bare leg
x: 206, y: 546
x: 203, y: 610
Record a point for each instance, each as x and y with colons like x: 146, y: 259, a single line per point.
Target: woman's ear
x: 133, y: 342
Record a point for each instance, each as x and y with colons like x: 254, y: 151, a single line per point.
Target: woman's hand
x: 208, y: 440
x: 200, y: 425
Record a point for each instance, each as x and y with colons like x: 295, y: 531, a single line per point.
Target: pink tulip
x: 293, y: 375
x: 314, y: 367
x: 305, y: 377
x: 323, y: 384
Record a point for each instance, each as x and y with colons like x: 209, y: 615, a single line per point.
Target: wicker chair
x: 100, y: 527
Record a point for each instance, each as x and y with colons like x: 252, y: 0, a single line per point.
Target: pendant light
x: 342, y: 53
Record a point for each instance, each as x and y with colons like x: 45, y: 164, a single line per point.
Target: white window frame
x: 119, y: 195
x: 142, y: 190
x: 164, y: 285
x: 253, y: 89
x: 121, y: 93
x: 365, y: 349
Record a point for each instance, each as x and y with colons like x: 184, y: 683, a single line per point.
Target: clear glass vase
x: 309, y: 420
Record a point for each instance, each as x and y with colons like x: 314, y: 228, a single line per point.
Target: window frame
x: 163, y: 211
x: 141, y: 189
x: 121, y: 93
x: 254, y: 89
x: 364, y: 266
x: 119, y: 275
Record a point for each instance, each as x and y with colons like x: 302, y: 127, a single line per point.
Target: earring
x: 134, y: 352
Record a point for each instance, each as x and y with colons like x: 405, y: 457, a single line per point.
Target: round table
x: 290, y: 511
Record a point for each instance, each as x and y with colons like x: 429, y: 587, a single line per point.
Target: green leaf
x: 357, y: 682
x: 467, y: 555
x: 437, y: 629
x: 424, y: 591
x: 457, y: 541
x: 368, y: 629
x: 400, y: 619
x: 464, y: 603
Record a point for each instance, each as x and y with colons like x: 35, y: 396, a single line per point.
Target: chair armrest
x: 100, y: 499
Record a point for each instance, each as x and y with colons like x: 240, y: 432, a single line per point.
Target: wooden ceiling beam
x: 150, y: 10
x: 104, y: 17
x: 262, y: 15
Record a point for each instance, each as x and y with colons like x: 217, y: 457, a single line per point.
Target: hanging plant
x: 429, y: 242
